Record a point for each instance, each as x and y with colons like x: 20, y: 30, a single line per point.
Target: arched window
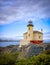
x: 29, y: 28
x: 26, y: 37
x: 39, y: 37
x: 29, y: 34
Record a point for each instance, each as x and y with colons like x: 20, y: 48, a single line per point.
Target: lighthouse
x: 30, y: 31
x: 31, y: 36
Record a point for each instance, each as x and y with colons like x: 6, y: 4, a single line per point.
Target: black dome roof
x: 30, y: 23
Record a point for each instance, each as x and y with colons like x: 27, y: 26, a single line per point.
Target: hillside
x: 26, y: 50
x: 26, y: 55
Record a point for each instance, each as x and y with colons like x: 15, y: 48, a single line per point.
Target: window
x: 29, y: 34
x: 29, y: 28
x: 26, y: 37
x: 39, y: 37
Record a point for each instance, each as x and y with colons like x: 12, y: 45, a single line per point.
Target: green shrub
x: 12, y: 59
x: 8, y: 58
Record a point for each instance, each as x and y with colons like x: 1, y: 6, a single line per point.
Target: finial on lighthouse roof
x: 30, y: 23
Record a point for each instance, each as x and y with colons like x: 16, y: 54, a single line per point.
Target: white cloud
x: 46, y: 36
x: 12, y: 10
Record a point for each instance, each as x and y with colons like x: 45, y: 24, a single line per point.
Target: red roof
x: 36, y: 41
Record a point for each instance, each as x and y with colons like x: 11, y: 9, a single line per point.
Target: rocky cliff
x: 25, y: 51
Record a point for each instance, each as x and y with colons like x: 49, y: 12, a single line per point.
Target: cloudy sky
x: 15, y: 14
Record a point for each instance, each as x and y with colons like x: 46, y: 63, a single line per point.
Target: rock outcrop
x: 25, y: 51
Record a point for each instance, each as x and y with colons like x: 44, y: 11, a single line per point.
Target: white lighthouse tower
x: 30, y: 31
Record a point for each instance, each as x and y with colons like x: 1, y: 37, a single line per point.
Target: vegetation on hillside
x: 8, y: 58
x: 12, y: 59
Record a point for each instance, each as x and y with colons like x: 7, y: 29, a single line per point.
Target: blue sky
x: 15, y: 14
